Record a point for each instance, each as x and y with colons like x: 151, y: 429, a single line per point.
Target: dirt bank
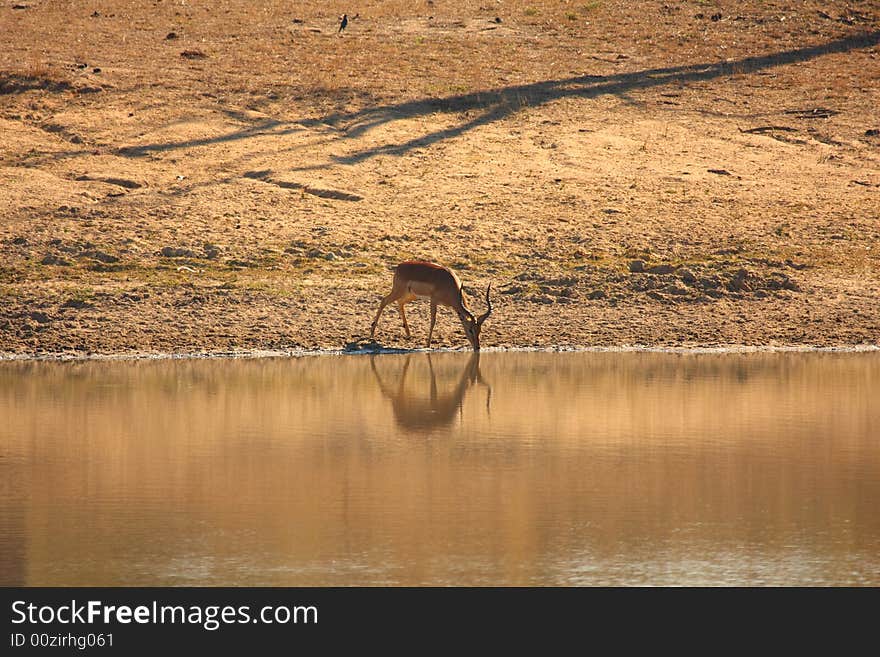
x: 221, y: 176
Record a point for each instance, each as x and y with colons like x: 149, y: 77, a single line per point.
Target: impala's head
x: 473, y: 325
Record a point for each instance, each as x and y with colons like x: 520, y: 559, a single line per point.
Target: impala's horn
x: 482, y: 318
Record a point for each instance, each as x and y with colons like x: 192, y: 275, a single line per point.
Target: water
x: 514, y: 469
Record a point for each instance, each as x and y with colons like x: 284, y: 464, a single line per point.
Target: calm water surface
x: 510, y: 469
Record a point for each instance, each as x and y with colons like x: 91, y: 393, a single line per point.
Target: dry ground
x: 205, y: 176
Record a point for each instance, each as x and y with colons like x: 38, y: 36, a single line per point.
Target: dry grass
x: 557, y: 143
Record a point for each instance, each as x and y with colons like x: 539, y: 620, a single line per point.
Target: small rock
x: 686, y: 275
x: 211, y: 251
x: 318, y: 253
x: 596, y: 294
x: 637, y: 266
x: 54, y: 260
x: 660, y: 269
x: 297, y: 247
x: 565, y: 281
x: 100, y: 256
x: 241, y: 263
x: 173, y: 252
x: 40, y: 318
x: 170, y: 36
x: 779, y: 281
x: 739, y: 281
x: 20, y: 241
x: 76, y: 303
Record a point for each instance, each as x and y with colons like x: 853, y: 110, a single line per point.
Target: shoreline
x: 256, y: 354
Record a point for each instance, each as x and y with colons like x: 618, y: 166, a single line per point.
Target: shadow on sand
x: 497, y: 104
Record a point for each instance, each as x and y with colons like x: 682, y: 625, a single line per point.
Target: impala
x: 426, y: 280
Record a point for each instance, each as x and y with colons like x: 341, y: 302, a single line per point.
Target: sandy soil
x: 204, y: 176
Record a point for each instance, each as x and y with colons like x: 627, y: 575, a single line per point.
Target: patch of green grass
x: 270, y: 288
x: 530, y: 11
x: 81, y: 293
x: 457, y: 89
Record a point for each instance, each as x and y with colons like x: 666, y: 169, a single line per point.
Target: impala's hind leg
x: 400, y: 304
x: 385, y: 301
x: 398, y: 293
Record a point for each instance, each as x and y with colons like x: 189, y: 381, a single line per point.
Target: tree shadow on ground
x: 497, y: 104
x: 17, y: 83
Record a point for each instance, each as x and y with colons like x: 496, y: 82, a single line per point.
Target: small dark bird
x: 343, y: 23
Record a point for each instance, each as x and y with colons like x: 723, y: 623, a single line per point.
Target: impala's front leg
x: 433, y: 319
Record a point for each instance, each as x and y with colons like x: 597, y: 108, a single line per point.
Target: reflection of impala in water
x: 415, y: 411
